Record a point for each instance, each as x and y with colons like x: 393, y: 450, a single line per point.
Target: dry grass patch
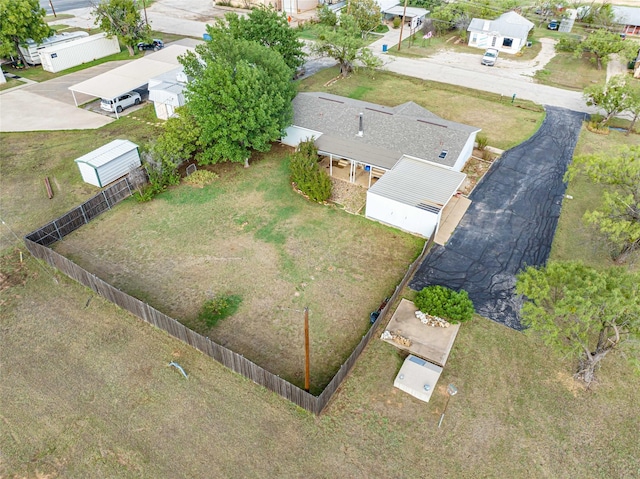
x: 565, y: 71
x: 249, y: 234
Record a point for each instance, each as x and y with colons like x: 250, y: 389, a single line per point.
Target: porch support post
x: 370, y: 174
x: 330, y: 164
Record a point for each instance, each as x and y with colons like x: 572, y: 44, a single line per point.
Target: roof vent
x: 443, y: 154
x: 361, y: 126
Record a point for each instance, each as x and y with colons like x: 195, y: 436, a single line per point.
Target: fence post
x: 128, y: 186
x: 55, y: 223
x: 106, y: 200
x: 83, y: 215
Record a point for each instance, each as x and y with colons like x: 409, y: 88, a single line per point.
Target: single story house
x: 628, y: 18
x: 409, y: 158
x: 166, y: 91
x: 508, y: 33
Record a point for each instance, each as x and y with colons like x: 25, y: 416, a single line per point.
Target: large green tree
x: 611, y: 96
x: 122, y: 19
x: 602, y: 43
x: 240, y: 96
x: 269, y: 28
x: 582, y: 312
x: 345, y: 44
x: 618, y: 216
x: 20, y: 20
x: 366, y: 13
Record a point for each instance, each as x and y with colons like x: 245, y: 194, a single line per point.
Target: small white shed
x: 109, y: 162
x: 418, y: 377
x: 67, y: 55
x: 412, y: 195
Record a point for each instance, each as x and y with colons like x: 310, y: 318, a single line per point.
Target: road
x: 61, y: 6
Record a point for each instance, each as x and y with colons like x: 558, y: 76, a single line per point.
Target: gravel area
x: 351, y: 197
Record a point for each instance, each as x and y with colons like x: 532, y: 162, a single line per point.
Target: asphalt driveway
x: 511, y: 222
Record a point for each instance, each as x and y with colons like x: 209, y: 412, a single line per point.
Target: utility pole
x: 306, y: 349
x: 404, y: 15
x: 144, y: 7
x: 53, y: 9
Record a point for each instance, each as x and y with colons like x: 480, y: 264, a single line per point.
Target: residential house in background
x: 629, y: 19
x: 166, y: 91
x: 408, y: 158
x: 508, y: 33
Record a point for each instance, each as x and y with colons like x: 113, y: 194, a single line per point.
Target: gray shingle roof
x: 405, y: 129
x: 509, y: 24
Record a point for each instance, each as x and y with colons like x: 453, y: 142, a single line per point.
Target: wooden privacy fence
x: 81, y: 215
x: 37, y: 244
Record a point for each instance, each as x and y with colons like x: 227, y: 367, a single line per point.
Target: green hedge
x: 445, y: 303
x: 307, y: 175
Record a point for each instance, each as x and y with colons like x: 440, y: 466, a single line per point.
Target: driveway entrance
x: 510, y: 223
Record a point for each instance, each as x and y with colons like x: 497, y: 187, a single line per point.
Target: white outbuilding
x: 109, y: 162
x: 60, y: 57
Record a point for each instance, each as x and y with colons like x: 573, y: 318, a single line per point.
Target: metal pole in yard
x: 404, y: 14
x: 306, y: 349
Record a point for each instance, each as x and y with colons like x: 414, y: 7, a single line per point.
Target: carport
x: 130, y: 76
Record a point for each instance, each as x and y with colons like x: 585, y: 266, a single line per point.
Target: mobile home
x: 82, y: 50
x: 31, y: 50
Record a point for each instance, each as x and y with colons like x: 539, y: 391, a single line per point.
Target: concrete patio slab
x: 427, y: 342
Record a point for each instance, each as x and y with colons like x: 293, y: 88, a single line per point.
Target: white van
x: 121, y: 102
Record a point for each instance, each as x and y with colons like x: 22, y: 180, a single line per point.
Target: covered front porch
x: 356, y: 172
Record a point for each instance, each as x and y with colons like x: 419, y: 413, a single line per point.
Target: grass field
x: 87, y: 392
x: 249, y: 234
x: 504, y: 124
x: 565, y: 71
x: 574, y: 240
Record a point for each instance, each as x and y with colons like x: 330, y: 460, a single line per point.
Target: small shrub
x: 486, y: 155
x: 307, y: 175
x: 445, y: 303
x: 327, y: 17
x: 567, y: 44
x: 483, y: 141
x: 201, y: 178
x: 396, y: 22
x: 221, y: 307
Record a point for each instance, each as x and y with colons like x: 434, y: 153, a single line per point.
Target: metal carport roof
x: 132, y: 75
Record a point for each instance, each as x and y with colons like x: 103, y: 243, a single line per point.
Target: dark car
x: 553, y: 25
x: 155, y: 45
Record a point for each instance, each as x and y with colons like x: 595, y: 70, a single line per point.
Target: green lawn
x: 566, y: 71
x: 250, y: 234
x: 505, y: 125
x: 87, y: 392
x: 10, y: 83
x: 574, y: 240
x: 26, y: 158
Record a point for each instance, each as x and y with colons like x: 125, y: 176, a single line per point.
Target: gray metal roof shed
x: 418, y: 183
x: 109, y: 162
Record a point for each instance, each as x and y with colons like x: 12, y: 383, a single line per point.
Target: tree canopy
x: 366, y: 13
x: 122, y: 19
x: 269, y: 28
x: 20, y: 20
x: 602, y: 43
x: 618, y: 216
x: 611, y: 96
x: 581, y: 312
x: 239, y: 95
x: 344, y: 43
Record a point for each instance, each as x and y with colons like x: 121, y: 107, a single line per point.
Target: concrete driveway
x: 49, y: 105
x: 510, y: 223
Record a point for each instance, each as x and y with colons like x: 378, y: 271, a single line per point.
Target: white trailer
x: 82, y: 50
x: 31, y: 49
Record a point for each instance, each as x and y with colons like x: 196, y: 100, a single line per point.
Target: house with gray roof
x: 628, y: 18
x: 508, y: 33
x: 409, y: 158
